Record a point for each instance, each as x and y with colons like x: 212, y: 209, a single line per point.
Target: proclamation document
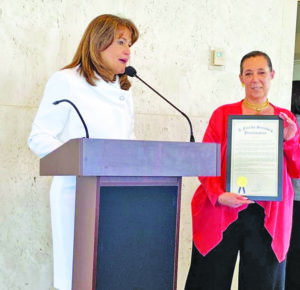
x: 254, y: 156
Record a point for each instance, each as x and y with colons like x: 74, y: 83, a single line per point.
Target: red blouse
x: 210, y: 219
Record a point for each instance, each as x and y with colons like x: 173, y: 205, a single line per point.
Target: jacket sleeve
x: 131, y: 109
x: 291, y: 149
x: 214, y: 186
x: 50, y: 119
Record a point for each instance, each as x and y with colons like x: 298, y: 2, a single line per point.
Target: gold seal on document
x: 242, y: 181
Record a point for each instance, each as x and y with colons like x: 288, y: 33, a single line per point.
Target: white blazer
x: 108, y: 113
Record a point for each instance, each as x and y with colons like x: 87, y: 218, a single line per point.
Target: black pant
x: 292, y: 281
x: 259, y: 268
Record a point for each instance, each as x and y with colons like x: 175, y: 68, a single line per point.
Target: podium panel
x: 136, y: 237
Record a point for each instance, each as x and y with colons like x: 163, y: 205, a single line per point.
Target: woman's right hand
x: 233, y: 200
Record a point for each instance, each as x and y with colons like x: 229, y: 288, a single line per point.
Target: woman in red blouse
x: 226, y: 223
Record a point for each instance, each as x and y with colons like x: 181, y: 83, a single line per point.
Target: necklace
x: 256, y: 107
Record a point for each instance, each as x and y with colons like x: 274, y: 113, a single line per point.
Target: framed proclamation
x: 255, y: 156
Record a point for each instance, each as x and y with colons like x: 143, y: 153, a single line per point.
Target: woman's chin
x: 256, y: 97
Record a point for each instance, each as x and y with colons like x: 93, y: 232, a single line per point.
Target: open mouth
x: 123, y: 60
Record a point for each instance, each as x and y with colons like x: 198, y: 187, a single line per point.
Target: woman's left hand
x: 290, y: 130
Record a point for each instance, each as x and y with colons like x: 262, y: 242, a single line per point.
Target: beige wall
x: 296, y: 74
x: 39, y: 37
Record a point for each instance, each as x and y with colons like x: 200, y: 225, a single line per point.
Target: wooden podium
x: 128, y: 208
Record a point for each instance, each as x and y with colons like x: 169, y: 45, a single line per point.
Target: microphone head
x: 130, y: 71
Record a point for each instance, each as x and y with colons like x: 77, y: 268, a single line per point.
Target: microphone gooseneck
x: 76, y: 109
x: 130, y: 71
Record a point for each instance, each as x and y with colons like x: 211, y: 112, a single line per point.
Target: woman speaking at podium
x: 225, y: 223
x: 93, y: 81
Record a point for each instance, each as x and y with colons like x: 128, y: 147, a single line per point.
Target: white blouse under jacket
x: 108, y: 113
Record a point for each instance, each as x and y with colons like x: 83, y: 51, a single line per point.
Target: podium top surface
x: 106, y: 157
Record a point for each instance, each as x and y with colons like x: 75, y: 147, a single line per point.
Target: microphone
x: 130, y: 71
x: 76, y: 109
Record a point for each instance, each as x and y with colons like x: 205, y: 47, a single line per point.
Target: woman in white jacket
x: 93, y: 81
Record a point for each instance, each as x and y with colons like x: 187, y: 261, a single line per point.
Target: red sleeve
x: 291, y: 149
x: 214, y: 186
